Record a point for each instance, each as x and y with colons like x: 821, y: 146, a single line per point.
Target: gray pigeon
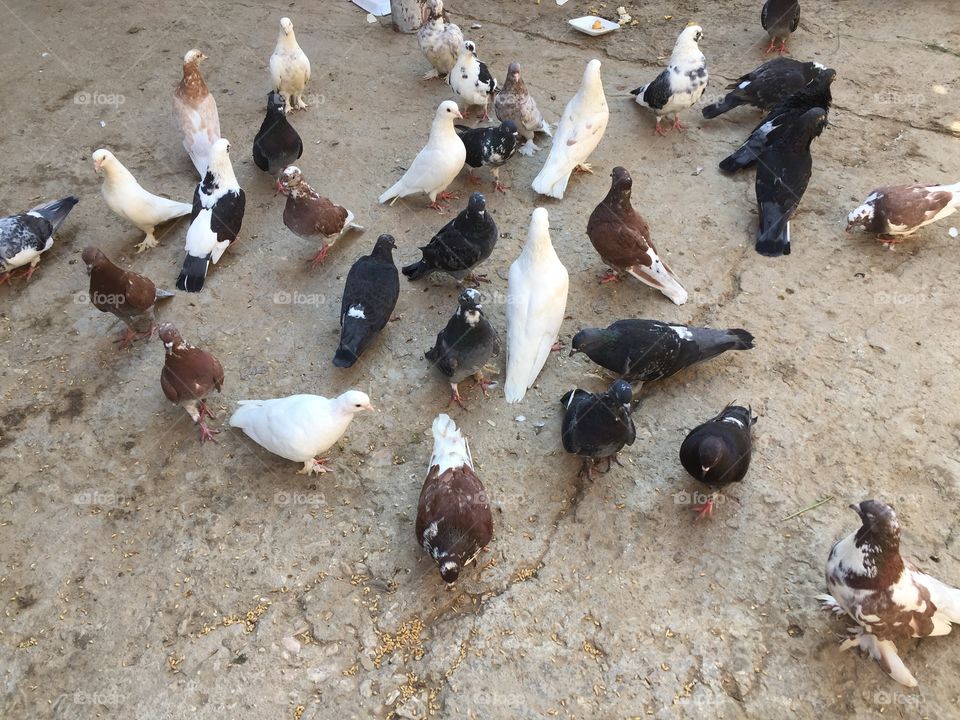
x: 24, y: 237
x: 780, y: 18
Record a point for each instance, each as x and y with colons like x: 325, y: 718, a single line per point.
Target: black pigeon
x: 717, y: 452
x: 369, y: 297
x: 782, y: 176
x: 24, y: 237
x: 596, y: 427
x: 277, y: 144
x: 767, y: 85
x: 780, y: 18
x: 491, y: 146
x: 461, y: 245
x: 646, y: 350
x: 815, y: 94
x: 465, y: 344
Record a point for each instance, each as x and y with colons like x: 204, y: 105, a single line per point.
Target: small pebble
x: 519, y: 418
x: 952, y: 232
x: 103, y: 124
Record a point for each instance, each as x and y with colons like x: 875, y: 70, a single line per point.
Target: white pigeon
x: 471, y: 78
x: 127, y: 199
x: 289, y: 68
x: 439, y: 39
x: 437, y: 164
x: 681, y: 84
x: 196, y: 112
x: 578, y: 134
x: 300, y: 427
x: 536, y: 302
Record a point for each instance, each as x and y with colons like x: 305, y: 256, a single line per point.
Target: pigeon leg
x: 205, y: 432
x: 28, y: 273
x: 484, y: 383
x: 300, y: 104
x: 204, y: 411
x: 557, y: 346
x: 771, y: 47
x: 783, y: 47
x: 474, y: 279
x: 126, y: 339
x: 497, y: 185
x: 473, y: 179
x: 484, y: 116
x: 443, y: 196
x: 705, y: 510
x: 586, y: 467
x: 148, y: 242
x: 320, y: 256
x: 657, y: 130
x: 315, y: 465
x: 432, y: 74
x: 677, y: 125
x: 529, y: 147
x: 455, y: 397
x: 438, y: 206
x: 829, y: 604
x: 4, y: 277
x: 584, y: 168
x: 609, y: 276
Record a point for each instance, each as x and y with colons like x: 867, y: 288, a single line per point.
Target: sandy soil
x: 144, y: 576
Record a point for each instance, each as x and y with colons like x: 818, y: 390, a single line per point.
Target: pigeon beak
x: 370, y: 407
x: 459, y: 115
x: 856, y: 509
x: 96, y: 167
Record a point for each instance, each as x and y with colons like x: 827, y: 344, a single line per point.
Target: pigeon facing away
x: 537, y: 287
x: 289, y: 68
x: 771, y: 83
x: 437, y: 164
x: 514, y: 103
x: 128, y: 295
x: 622, y: 238
x: 889, y: 599
x: 439, y: 39
x: 491, y: 146
x: 646, y: 350
x: 464, y: 345
x: 681, y: 84
x: 218, y: 205
x: 300, y: 427
x: 596, y: 427
x: 454, y: 522
x: 779, y: 18
x: 276, y: 144
x: 25, y: 237
x: 578, y: 133
x: 470, y: 78
x: 196, y: 112
x: 717, y: 452
x: 783, y: 171
x: 895, y: 211
x: 309, y: 214
x: 460, y: 245
x: 369, y: 297
x: 189, y: 375
x: 126, y: 198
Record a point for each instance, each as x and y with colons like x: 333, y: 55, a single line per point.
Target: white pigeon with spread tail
x: 289, y: 67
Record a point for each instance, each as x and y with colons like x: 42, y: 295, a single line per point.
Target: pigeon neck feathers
x: 870, y: 557
x: 192, y: 86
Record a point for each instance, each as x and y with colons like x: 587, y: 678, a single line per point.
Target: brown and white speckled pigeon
x: 514, y: 102
x: 896, y: 211
x: 310, y: 215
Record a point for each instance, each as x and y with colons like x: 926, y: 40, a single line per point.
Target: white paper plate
x: 585, y: 25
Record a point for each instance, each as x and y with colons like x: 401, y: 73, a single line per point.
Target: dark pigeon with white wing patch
x: 764, y: 87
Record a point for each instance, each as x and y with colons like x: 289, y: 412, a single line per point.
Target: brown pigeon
x: 454, y: 522
x: 128, y: 295
x: 196, y: 112
x: 309, y: 214
x: 622, y: 237
x: 189, y: 375
x: 896, y: 211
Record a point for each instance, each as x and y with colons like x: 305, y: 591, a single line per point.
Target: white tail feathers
x: 450, y: 447
x: 946, y: 598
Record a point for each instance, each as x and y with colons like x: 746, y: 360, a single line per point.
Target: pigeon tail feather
x: 56, y: 212
x: 193, y: 274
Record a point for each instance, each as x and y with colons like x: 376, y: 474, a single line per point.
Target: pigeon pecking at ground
x: 647, y: 350
x: 471, y: 80
x: 196, y: 112
x: 779, y: 18
x: 189, y: 375
x: 717, y: 452
x: 460, y: 245
x: 128, y: 295
x: 218, y: 206
x: 300, y: 427
x: 25, y: 237
x: 596, y: 427
x: 369, y: 296
x: 454, y: 522
x: 578, y: 133
x: 889, y: 599
x: 309, y: 214
x: 277, y: 144
x: 437, y: 164
x: 514, y: 103
x: 766, y: 86
x: 439, y: 39
x: 464, y: 345
x: 491, y: 146
x: 127, y: 199
x: 681, y: 84
x: 289, y: 68
x: 622, y: 238
x: 896, y: 211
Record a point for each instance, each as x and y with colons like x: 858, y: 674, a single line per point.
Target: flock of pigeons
x: 868, y: 580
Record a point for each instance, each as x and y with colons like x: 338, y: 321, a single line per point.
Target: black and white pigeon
x: 218, y: 205
x: 369, y: 296
x: 491, y: 146
x: 717, y: 452
x: 783, y: 172
x: 646, y: 350
x: 25, y: 237
x: 780, y: 18
x: 276, y: 144
x: 890, y: 599
x: 815, y: 94
x: 596, y: 427
x: 460, y: 245
x: 464, y: 345
x: 765, y: 86
x: 681, y: 84
x: 470, y: 79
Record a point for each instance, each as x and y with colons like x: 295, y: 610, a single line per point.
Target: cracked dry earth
x: 146, y: 577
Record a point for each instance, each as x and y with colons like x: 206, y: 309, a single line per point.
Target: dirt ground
x: 144, y: 576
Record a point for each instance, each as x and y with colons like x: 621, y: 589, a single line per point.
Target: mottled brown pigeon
x: 189, y: 375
